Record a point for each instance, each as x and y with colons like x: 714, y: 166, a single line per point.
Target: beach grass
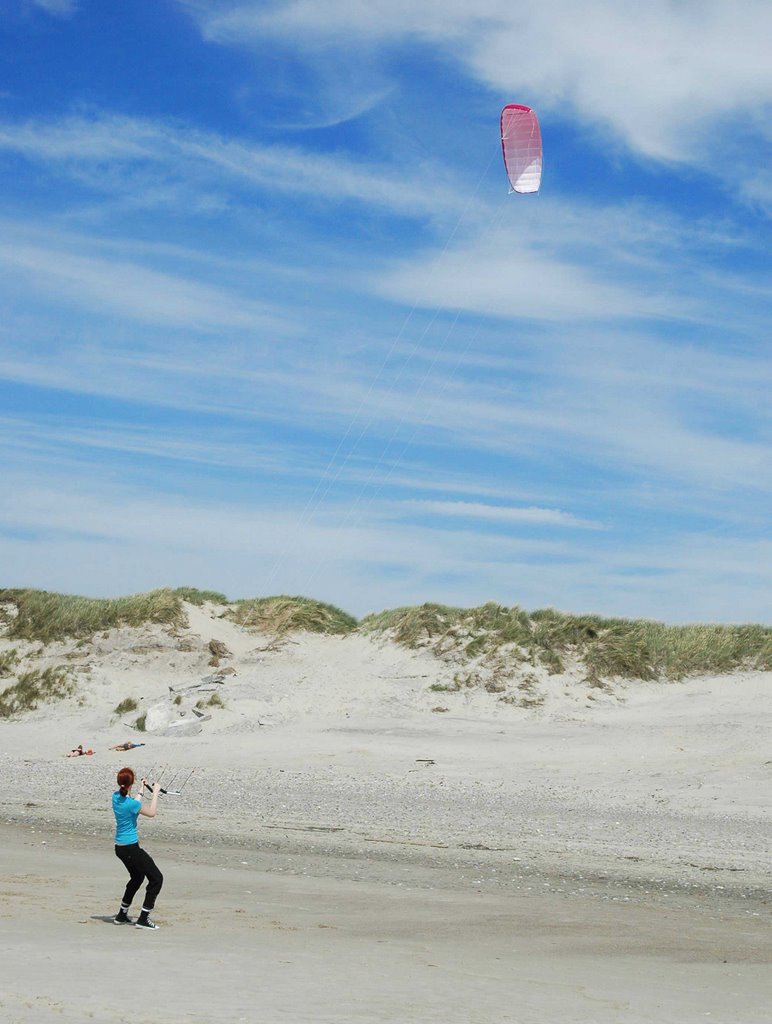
x: 199, y: 597
x: 607, y: 647
x: 414, y: 626
x: 492, y: 637
x: 34, y: 687
x: 280, y: 615
x: 8, y: 661
x: 215, y: 701
x: 126, y: 705
x: 45, y: 616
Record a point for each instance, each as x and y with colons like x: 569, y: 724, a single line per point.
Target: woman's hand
x: 150, y: 810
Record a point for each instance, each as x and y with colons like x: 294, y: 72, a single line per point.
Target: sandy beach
x: 344, y: 852
x: 249, y: 936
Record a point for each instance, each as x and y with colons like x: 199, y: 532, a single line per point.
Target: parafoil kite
x: 521, y: 146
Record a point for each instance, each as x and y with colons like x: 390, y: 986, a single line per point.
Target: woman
x: 137, y: 861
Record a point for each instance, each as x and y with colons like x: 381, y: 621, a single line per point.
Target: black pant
x: 140, y: 866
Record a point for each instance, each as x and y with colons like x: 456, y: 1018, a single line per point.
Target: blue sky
x: 271, y: 322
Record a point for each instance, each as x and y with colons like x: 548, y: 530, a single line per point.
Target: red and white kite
x: 521, y: 146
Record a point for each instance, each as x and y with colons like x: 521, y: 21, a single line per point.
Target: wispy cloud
x: 85, y: 538
x: 551, y: 261
x: 501, y: 513
x: 93, y: 281
x: 50, y: 441
x: 657, y: 77
x: 256, y: 530
x: 493, y: 276
x: 86, y: 146
x: 61, y: 8
x: 598, y: 398
x: 556, y: 260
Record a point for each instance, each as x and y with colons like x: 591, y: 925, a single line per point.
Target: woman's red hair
x: 125, y: 780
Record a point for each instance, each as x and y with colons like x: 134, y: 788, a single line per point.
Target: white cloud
x: 657, y: 75
x: 113, y: 286
x: 253, y: 532
x: 539, y: 259
x: 757, y: 189
x: 45, y: 441
x: 598, y: 397
x: 88, y: 146
x: 501, y: 274
x: 60, y: 8
x: 500, y: 513
x: 84, y: 535
x: 549, y: 260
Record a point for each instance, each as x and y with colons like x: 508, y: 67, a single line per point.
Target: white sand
x: 245, y: 942
x: 611, y: 849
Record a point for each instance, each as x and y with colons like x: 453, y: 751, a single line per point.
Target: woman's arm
x: 149, y: 811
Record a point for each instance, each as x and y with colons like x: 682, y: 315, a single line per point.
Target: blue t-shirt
x: 126, y: 809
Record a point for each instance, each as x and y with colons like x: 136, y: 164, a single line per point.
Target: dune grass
x: 48, y: 616
x: 280, y: 615
x: 126, y: 705
x: 35, y: 687
x: 8, y: 660
x: 199, y: 597
x: 630, y: 648
x: 215, y: 701
x: 494, y: 637
x: 416, y: 626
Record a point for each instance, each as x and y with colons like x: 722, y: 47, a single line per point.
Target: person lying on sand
x: 137, y: 861
x: 79, y: 751
x: 128, y: 745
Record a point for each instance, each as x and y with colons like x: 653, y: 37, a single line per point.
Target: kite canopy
x: 521, y: 146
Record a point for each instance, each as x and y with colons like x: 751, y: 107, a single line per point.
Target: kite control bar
x: 167, y: 790
x: 149, y: 785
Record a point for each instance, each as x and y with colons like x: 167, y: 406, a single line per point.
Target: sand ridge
x: 600, y: 857
x: 340, y: 735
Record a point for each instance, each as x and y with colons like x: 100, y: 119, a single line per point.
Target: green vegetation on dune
x: 490, y: 643
x: 280, y: 615
x: 631, y: 648
x: 8, y: 659
x: 678, y: 651
x: 215, y: 701
x: 413, y: 627
x: 195, y: 596
x: 35, y: 687
x: 46, y: 616
x: 126, y: 705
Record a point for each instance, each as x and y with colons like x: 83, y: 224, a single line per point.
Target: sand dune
x: 596, y: 857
